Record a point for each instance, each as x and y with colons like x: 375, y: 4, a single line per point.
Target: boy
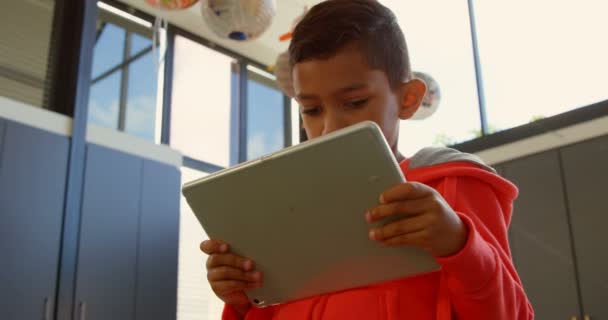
x: 350, y: 64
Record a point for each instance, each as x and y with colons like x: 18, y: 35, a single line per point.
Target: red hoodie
x: 479, y: 282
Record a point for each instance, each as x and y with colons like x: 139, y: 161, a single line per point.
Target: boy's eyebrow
x: 300, y: 97
x: 351, y: 87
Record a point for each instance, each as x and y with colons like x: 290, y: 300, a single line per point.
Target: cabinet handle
x: 47, y: 309
x: 83, y: 310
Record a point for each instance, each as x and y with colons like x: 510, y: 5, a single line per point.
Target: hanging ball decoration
x: 238, y: 20
x: 430, y: 102
x: 172, y: 4
x: 282, y: 71
x: 287, y: 36
x: 281, y: 68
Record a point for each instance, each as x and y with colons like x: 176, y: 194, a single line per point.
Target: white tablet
x: 299, y: 214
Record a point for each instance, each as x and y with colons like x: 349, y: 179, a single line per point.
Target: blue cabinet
x: 33, y: 168
x: 107, y: 257
x: 128, y: 245
x: 158, y: 243
x: 127, y: 266
x: 2, y: 129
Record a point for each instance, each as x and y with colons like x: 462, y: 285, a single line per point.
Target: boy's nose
x: 333, y: 123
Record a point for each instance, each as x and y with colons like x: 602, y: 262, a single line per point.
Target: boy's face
x: 341, y: 91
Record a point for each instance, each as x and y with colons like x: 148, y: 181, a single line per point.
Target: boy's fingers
x: 230, y: 273
x: 229, y: 286
x: 230, y: 260
x: 405, y: 191
x: 214, y: 246
x: 398, y: 228
x: 252, y: 285
x: 406, y: 207
x: 418, y: 238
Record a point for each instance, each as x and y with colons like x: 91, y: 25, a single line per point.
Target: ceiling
x: 264, y: 49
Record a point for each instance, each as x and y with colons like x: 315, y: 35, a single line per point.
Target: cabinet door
x: 586, y: 174
x: 33, y: 169
x: 158, y: 243
x: 2, y: 130
x: 540, y: 236
x: 107, y: 258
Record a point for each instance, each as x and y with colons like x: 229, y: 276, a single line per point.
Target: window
x: 25, y: 39
x: 103, y: 101
x: 439, y: 43
x: 195, y: 299
x: 201, y: 102
x: 204, y: 107
x: 295, y: 122
x: 124, y: 78
x: 542, y: 60
x: 110, y: 40
x: 265, y: 115
x: 141, y: 97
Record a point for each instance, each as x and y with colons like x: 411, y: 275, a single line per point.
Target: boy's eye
x: 311, y: 111
x: 356, y: 103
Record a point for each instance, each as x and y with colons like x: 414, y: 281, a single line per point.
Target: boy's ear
x: 412, y: 93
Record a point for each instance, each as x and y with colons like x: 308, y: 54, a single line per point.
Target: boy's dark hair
x: 333, y: 24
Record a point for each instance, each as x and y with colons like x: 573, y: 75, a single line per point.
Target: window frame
x: 268, y: 81
x: 130, y: 28
x: 240, y: 74
x: 238, y: 101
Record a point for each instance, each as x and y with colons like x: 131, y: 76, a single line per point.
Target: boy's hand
x: 428, y: 221
x: 230, y: 275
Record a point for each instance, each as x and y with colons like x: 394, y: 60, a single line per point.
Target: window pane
x: 552, y: 60
x: 138, y: 76
x: 139, y: 43
x: 200, y: 102
x: 25, y: 40
x: 141, y: 103
x: 109, y: 48
x: 295, y: 122
x: 265, y: 118
x: 195, y: 299
x: 103, y: 101
x: 439, y: 44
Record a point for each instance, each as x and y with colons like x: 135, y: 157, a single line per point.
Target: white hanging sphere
x: 282, y: 70
x: 430, y: 102
x: 239, y: 20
